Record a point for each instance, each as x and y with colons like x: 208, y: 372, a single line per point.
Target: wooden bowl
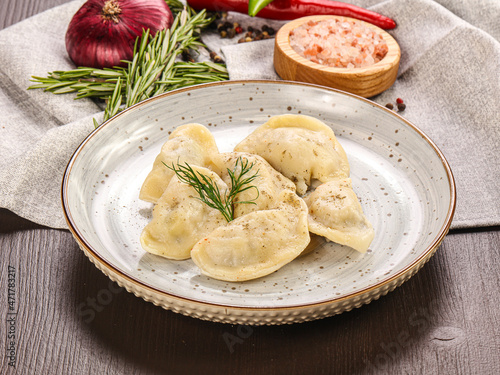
x: 366, y: 81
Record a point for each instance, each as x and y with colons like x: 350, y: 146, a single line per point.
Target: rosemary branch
x: 153, y: 70
x: 208, y: 190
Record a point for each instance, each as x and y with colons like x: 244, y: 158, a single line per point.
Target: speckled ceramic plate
x: 404, y: 183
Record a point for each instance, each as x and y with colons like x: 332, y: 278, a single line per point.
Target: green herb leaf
x: 208, y: 190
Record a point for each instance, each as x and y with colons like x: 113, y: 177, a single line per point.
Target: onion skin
x: 97, y: 42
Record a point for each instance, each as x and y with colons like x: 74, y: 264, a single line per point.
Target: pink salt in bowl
x: 365, y: 81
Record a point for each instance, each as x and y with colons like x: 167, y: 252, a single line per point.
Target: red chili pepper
x: 292, y: 9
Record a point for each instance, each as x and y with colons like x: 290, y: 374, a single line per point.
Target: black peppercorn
x: 215, y: 58
x: 231, y: 33
x: 186, y: 56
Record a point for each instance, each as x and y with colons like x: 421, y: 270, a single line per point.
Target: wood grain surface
x: 72, y: 320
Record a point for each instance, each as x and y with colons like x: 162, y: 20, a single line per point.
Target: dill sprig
x: 239, y: 183
x: 208, y: 191
x: 153, y: 70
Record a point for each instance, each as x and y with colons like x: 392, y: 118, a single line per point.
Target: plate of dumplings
x: 258, y: 202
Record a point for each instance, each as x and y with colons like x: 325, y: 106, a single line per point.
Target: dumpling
x: 335, y: 213
x: 301, y: 147
x: 269, y: 183
x: 190, y: 143
x: 255, y: 244
x: 180, y: 220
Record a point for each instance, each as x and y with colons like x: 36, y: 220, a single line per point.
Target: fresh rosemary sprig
x: 153, y: 70
x: 175, y: 6
x: 155, y: 58
x: 208, y: 190
x: 90, y: 82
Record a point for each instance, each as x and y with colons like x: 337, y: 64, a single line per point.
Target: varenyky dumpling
x: 301, y: 147
x: 180, y: 220
x: 335, y: 213
x: 269, y: 182
x: 255, y: 244
x: 191, y: 143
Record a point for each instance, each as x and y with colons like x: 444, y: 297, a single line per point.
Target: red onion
x: 103, y: 32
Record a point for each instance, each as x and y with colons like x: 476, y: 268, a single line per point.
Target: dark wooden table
x: 445, y: 320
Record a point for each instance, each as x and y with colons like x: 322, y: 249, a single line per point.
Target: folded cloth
x: 448, y: 79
